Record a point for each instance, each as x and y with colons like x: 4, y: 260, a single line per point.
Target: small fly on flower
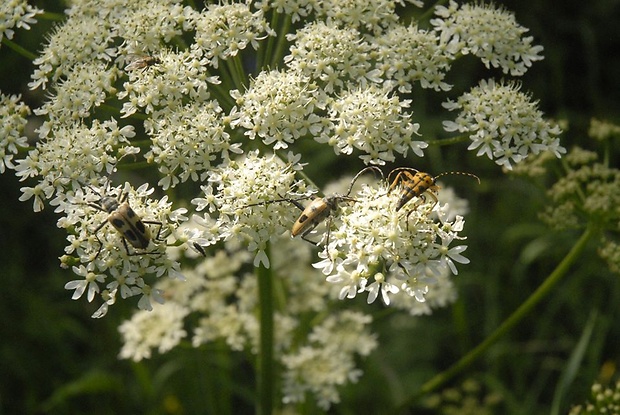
x: 125, y: 220
x: 141, y: 62
x: 414, y: 183
x: 319, y: 209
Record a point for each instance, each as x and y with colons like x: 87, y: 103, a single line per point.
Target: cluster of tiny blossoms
x: 503, y: 123
x: 602, y: 400
x: 487, y: 32
x: 13, y: 114
x: 108, y: 265
x: 217, y: 302
x: 240, y: 194
x: 16, y: 14
x: 375, y: 249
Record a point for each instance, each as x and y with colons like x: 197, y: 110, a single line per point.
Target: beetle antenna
x: 364, y: 170
x: 459, y: 173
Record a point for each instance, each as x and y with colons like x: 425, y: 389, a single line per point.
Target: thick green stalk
x: 19, y: 49
x: 520, y: 313
x: 266, y: 372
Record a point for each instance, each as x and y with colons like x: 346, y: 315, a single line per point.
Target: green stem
x: 266, y: 379
x: 545, y: 288
x: 276, y: 57
x: 429, y: 12
x: 448, y: 141
x: 54, y: 17
x: 19, y: 49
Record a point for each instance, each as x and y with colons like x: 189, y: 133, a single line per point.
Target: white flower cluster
x: 409, y: 54
x: 328, y: 360
x: 79, y: 40
x: 241, y: 195
x: 165, y: 85
x: 13, y: 114
x: 223, y: 30
x: 490, y: 33
x: 295, y: 9
x: 86, y: 86
x: 371, y: 15
x: 506, y: 136
x: 99, y: 246
x: 278, y: 107
x: 16, y: 14
x: 217, y: 302
x: 186, y: 141
x: 73, y: 155
x: 370, y: 120
x: 375, y: 249
x: 334, y: 57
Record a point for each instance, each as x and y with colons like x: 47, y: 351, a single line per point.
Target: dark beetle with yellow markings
x: 416, y: 183
x: 125, y: 220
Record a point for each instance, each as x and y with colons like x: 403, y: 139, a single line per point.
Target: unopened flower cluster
x: 588, y: 192
x: 602, y: 400
x: 588, y: 195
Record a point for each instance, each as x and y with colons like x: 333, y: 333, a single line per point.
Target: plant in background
x: 223, y: 103
x: 602, y: 400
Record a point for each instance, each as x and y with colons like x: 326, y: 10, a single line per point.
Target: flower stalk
x: 515, y: 318
x: 266, y: 363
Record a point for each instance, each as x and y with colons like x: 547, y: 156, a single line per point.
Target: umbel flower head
x: 240, y: 194
x: 376, y: 249
x: 212, y: 97
x: 503, y: 123
x: 129, y: 243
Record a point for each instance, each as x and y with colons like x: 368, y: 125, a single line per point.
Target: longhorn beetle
x: 319, y: 209
x: 123, y: 218
x: 415, y: 183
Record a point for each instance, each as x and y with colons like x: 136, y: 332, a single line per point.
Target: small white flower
x: 90, y: 283
x: 380, y: 286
